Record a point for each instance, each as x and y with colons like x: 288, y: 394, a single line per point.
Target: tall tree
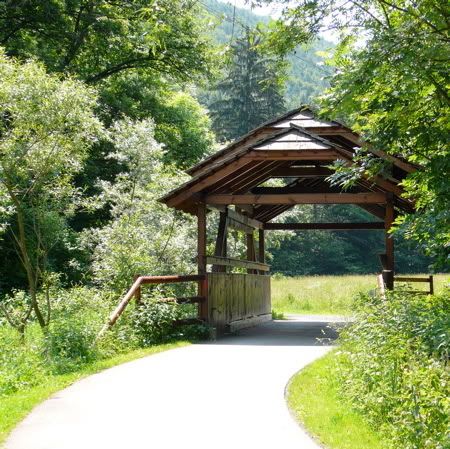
x: 392, y: 86
x: 46, y: 128
x: 251, y: 91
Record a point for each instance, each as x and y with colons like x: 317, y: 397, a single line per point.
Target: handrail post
x: 137, y: 295
x: 201, y: 260
x: 388, y: 278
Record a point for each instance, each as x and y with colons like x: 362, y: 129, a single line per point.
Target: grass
x: 14, y: 407
x: 313, y: 398
x: 327, y: 295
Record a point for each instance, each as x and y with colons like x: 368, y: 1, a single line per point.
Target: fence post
x: 388, y: 278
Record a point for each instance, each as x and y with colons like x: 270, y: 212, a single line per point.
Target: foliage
x: 153, y: 322
x: 96, y: 39
x: 251, y: 91
x: 314, y: 398
x: 395, y: 368
x: 306, y: 76
x: 46, y: 129
x: 143, y: 236
x: 393, y: 89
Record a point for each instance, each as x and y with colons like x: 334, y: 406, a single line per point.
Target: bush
x: 152, y: 322
x: 395, y: 367
x: 21, y: 364
x: 78, y: 314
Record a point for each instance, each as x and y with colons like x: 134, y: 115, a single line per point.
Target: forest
x: 104, y: 105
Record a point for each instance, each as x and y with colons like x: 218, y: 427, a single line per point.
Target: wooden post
x: 221, y: 241
x: 388, y: 278
x: 261, y: 248
x: 251, y: 251
x: 431, y: 285
x: 389, y: 238
x: 137, y: 295
x: 201, y: 260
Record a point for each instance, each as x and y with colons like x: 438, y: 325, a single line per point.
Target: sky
x: 274, y: 10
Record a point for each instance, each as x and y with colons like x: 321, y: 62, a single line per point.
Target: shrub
x: 78, y: 314
x: 152, y: 322
x: 21, y: 364
x: 395, y: 367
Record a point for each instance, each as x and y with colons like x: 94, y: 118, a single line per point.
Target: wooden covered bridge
x: 299, y: 148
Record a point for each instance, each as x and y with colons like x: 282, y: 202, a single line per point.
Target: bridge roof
x: 298, y: 148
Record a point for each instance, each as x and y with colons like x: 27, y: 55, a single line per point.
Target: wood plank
x: 237, y: 263
x: 324, y: 226
x: 251, y: 222
x: 411, y: 279
x: 221, y: 240
x: 171, y: 279
x: 299, y: 198
x: 291, y: 155
x: 201, y: 259
x: 238, y: 226
x: 301, y: 172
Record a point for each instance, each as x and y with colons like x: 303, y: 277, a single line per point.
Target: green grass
x: 14, y: 407
x: 313, y: 398
x: 327, y: 294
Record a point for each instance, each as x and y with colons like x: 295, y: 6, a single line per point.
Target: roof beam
x: 301, y: 172
x: 299, y: 198
x: 324, y: 226
x: 292, y: 155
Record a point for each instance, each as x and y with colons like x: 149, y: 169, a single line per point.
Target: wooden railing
x: 236, y: 263
x: 386, y: 281
x: 135, y: 292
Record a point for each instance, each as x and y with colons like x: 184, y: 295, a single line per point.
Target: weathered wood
x: 381, y: 286
x: 388, y: 278
x: 250, y: 222
x: 324, y: 226
x: 389, y: 238
x: 261, y: 246
x: 251, y: 256
x: 410, y: 279
x: 221, y: 241
x: 237, y: 263
x: 299, y: 198
x: 235, y: 296
x: 301, y: 172
x: 171, y: 279
x: 292, y: 155
x: 201, y: 259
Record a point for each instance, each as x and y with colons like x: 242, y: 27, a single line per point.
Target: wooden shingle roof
x: 298, y: 147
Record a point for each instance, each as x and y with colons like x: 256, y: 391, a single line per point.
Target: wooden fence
x: 238, y: 300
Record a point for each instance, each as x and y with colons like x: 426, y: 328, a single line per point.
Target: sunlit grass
x: 314, y: 399
x: 14, y: 407
x: 328, y: 294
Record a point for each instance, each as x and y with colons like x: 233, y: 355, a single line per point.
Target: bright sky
x: 274, y: 10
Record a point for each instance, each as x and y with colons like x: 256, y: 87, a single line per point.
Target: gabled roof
x: 296, y: 145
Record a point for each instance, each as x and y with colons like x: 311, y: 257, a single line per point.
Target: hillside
x: 306, y: 77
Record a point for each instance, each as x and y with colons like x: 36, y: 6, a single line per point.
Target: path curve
x: 215, y: 395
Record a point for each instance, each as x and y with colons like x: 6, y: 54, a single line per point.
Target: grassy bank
x: 314, y: 399
x: 14, y: 407
x: 327, y: 294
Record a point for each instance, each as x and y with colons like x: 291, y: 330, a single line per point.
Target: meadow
x: 328, y: 295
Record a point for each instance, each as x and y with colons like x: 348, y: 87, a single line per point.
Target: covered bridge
x: 298, y: 147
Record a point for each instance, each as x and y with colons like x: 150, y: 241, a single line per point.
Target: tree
x: 143, y: 235
x: 251, y: 91
x: 392, y: 87
x: 95, y: 39
x: 46, y: 128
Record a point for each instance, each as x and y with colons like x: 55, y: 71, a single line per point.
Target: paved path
x: 227, y: 394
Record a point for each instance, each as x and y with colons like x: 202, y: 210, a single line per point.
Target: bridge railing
x: 135, y: 292
x: 386, y: 281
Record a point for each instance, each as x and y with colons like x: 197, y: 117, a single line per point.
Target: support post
x: 389, y: 238
x: 201, y: 260
x: 251, y: 251
x: 261, y: 247
x: 137, y: 295
x: 221, y: 241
